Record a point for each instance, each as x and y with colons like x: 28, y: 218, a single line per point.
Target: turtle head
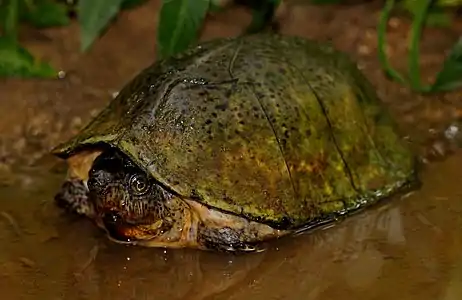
x: 130, y: 205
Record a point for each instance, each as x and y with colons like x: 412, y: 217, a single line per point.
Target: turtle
x: 233, y: 143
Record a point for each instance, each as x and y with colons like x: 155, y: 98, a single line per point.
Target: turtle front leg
x: 73, y: 197
x: 225, y: 239
x: 230, y: 233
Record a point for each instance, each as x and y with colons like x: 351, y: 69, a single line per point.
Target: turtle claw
x: 226, y: 240
x: 237, y: 248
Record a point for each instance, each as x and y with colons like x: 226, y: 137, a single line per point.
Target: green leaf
x: 9, y: 18
x: 450, y: 77
x: 16, y: 61
x: 94, y: 16
x: 437, y: 18
x: 449, y: 2
x: 46, y: 13
x: 129, y: 4
x: 326, y: 1
x: 179, y: 24
x: 216, y: 6
x: 262, y: 15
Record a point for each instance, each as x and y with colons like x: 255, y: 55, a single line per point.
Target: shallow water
x: 405, y: 248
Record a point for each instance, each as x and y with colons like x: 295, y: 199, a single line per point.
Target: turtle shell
x: 278, y: 129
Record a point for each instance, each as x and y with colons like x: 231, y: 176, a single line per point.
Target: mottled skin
x: 242, y: 140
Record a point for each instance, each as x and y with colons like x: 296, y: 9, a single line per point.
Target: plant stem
x: 11, y: 20
x: 416, y: 32
x: 381, y: 37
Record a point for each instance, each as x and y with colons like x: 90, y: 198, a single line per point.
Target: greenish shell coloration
x: 277, y: 129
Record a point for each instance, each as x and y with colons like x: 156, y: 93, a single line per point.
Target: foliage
x: 94, y: 16
x: 450, y: 77
x: 180, y: 23
x: 15, y: 60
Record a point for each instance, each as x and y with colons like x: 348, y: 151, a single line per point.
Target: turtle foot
x: 73, y: 197
x: 226, y: 240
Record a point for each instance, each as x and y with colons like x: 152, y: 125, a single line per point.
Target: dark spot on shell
x: 241, y: 122
x: 194, y: 194
x: 214, y: 115
x: 239, y: 115
x: 208, y: 121
x: 222, y: 107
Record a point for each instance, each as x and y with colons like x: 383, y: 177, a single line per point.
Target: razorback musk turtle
x: 234, y: 142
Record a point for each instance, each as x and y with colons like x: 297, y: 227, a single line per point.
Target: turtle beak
x: 121, y: 231
x: 113, y: 224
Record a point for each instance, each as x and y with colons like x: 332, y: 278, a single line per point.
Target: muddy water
x: 406, y: 248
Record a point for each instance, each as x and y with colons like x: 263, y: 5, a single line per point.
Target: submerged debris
x: 27, y: 262
x: 88, y: 262
x: 11, y: 221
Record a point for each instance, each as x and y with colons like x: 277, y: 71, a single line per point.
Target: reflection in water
x: 408, y: 248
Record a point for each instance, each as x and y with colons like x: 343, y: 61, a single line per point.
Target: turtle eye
x: 139, y: 184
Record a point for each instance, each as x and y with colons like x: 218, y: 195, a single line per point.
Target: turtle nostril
x: 111, y: 219
x: 113, y: 223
